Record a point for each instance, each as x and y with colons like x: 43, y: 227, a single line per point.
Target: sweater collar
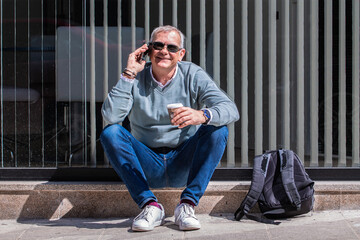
x: 168, y: 82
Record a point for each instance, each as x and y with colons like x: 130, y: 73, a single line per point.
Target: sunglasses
x: 170, y: 47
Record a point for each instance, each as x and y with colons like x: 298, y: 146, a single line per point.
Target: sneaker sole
x: 142, y: 229
x: 189, y: 228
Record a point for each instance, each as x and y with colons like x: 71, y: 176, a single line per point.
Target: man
x: 160, y: 152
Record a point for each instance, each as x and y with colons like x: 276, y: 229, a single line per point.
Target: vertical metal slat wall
x: 271, y: 71
x: 300, y: 75
x: 355, y: 82
x: 244, y: 85
x: 314, y: 82
x: 230, y: 77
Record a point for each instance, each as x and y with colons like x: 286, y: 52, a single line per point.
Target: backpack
x: 280, y: 186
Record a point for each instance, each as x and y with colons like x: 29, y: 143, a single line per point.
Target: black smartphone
x: 147, y: 52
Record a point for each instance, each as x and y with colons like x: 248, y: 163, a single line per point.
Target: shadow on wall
x: 75, y: 202
x: 105, y: 200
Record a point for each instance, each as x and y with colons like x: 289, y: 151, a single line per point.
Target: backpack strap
x: 261, y: 163
x: 287, y: 175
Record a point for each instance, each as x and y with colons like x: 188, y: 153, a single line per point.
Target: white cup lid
x: 174, y: 105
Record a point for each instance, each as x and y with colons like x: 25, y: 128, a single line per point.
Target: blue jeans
x: 191, y: 164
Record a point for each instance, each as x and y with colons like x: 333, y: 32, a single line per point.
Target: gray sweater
x: 144, y: 102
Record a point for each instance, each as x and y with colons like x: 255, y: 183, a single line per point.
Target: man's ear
x: 181, y: 54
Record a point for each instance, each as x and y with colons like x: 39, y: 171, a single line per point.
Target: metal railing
x: 292, y: 68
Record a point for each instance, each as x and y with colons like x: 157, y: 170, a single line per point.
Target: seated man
x: 160, y: 152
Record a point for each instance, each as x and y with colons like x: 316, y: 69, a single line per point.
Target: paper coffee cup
x: 171, y: 108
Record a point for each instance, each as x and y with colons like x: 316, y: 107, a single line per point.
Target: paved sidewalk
x: 317, y: 225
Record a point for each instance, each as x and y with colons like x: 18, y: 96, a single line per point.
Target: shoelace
x: 146, y: 213
x: 188, y: 211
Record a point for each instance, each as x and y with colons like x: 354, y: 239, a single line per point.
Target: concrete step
x: 54, y: 200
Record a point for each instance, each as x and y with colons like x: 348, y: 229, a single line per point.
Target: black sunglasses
x: 170, y: 47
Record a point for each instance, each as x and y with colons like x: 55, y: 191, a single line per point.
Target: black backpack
x: 280, y: 186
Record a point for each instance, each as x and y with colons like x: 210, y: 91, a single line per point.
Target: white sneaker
x: 149, y: 218
x: 185, y: 217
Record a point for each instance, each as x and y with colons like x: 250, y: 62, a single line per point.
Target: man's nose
x: 164, y: 50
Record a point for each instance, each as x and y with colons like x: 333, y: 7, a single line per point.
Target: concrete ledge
x: 54, y: 200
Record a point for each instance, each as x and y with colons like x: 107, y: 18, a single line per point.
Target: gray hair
x: 168, y: 28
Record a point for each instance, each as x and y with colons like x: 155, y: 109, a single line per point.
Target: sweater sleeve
x: 119, y: 101
x: 223, y: 109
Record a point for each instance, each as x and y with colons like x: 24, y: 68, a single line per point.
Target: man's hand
x: 185, y: 116
x: 135, y: 63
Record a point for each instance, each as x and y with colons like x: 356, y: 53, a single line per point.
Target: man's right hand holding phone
x: 135, y: 63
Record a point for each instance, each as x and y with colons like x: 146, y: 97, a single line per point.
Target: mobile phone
x: 147, y: 52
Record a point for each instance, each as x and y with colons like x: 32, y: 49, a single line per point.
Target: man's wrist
x: 129, y: 73
x: 207, y: 116
x: 126, y: 78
